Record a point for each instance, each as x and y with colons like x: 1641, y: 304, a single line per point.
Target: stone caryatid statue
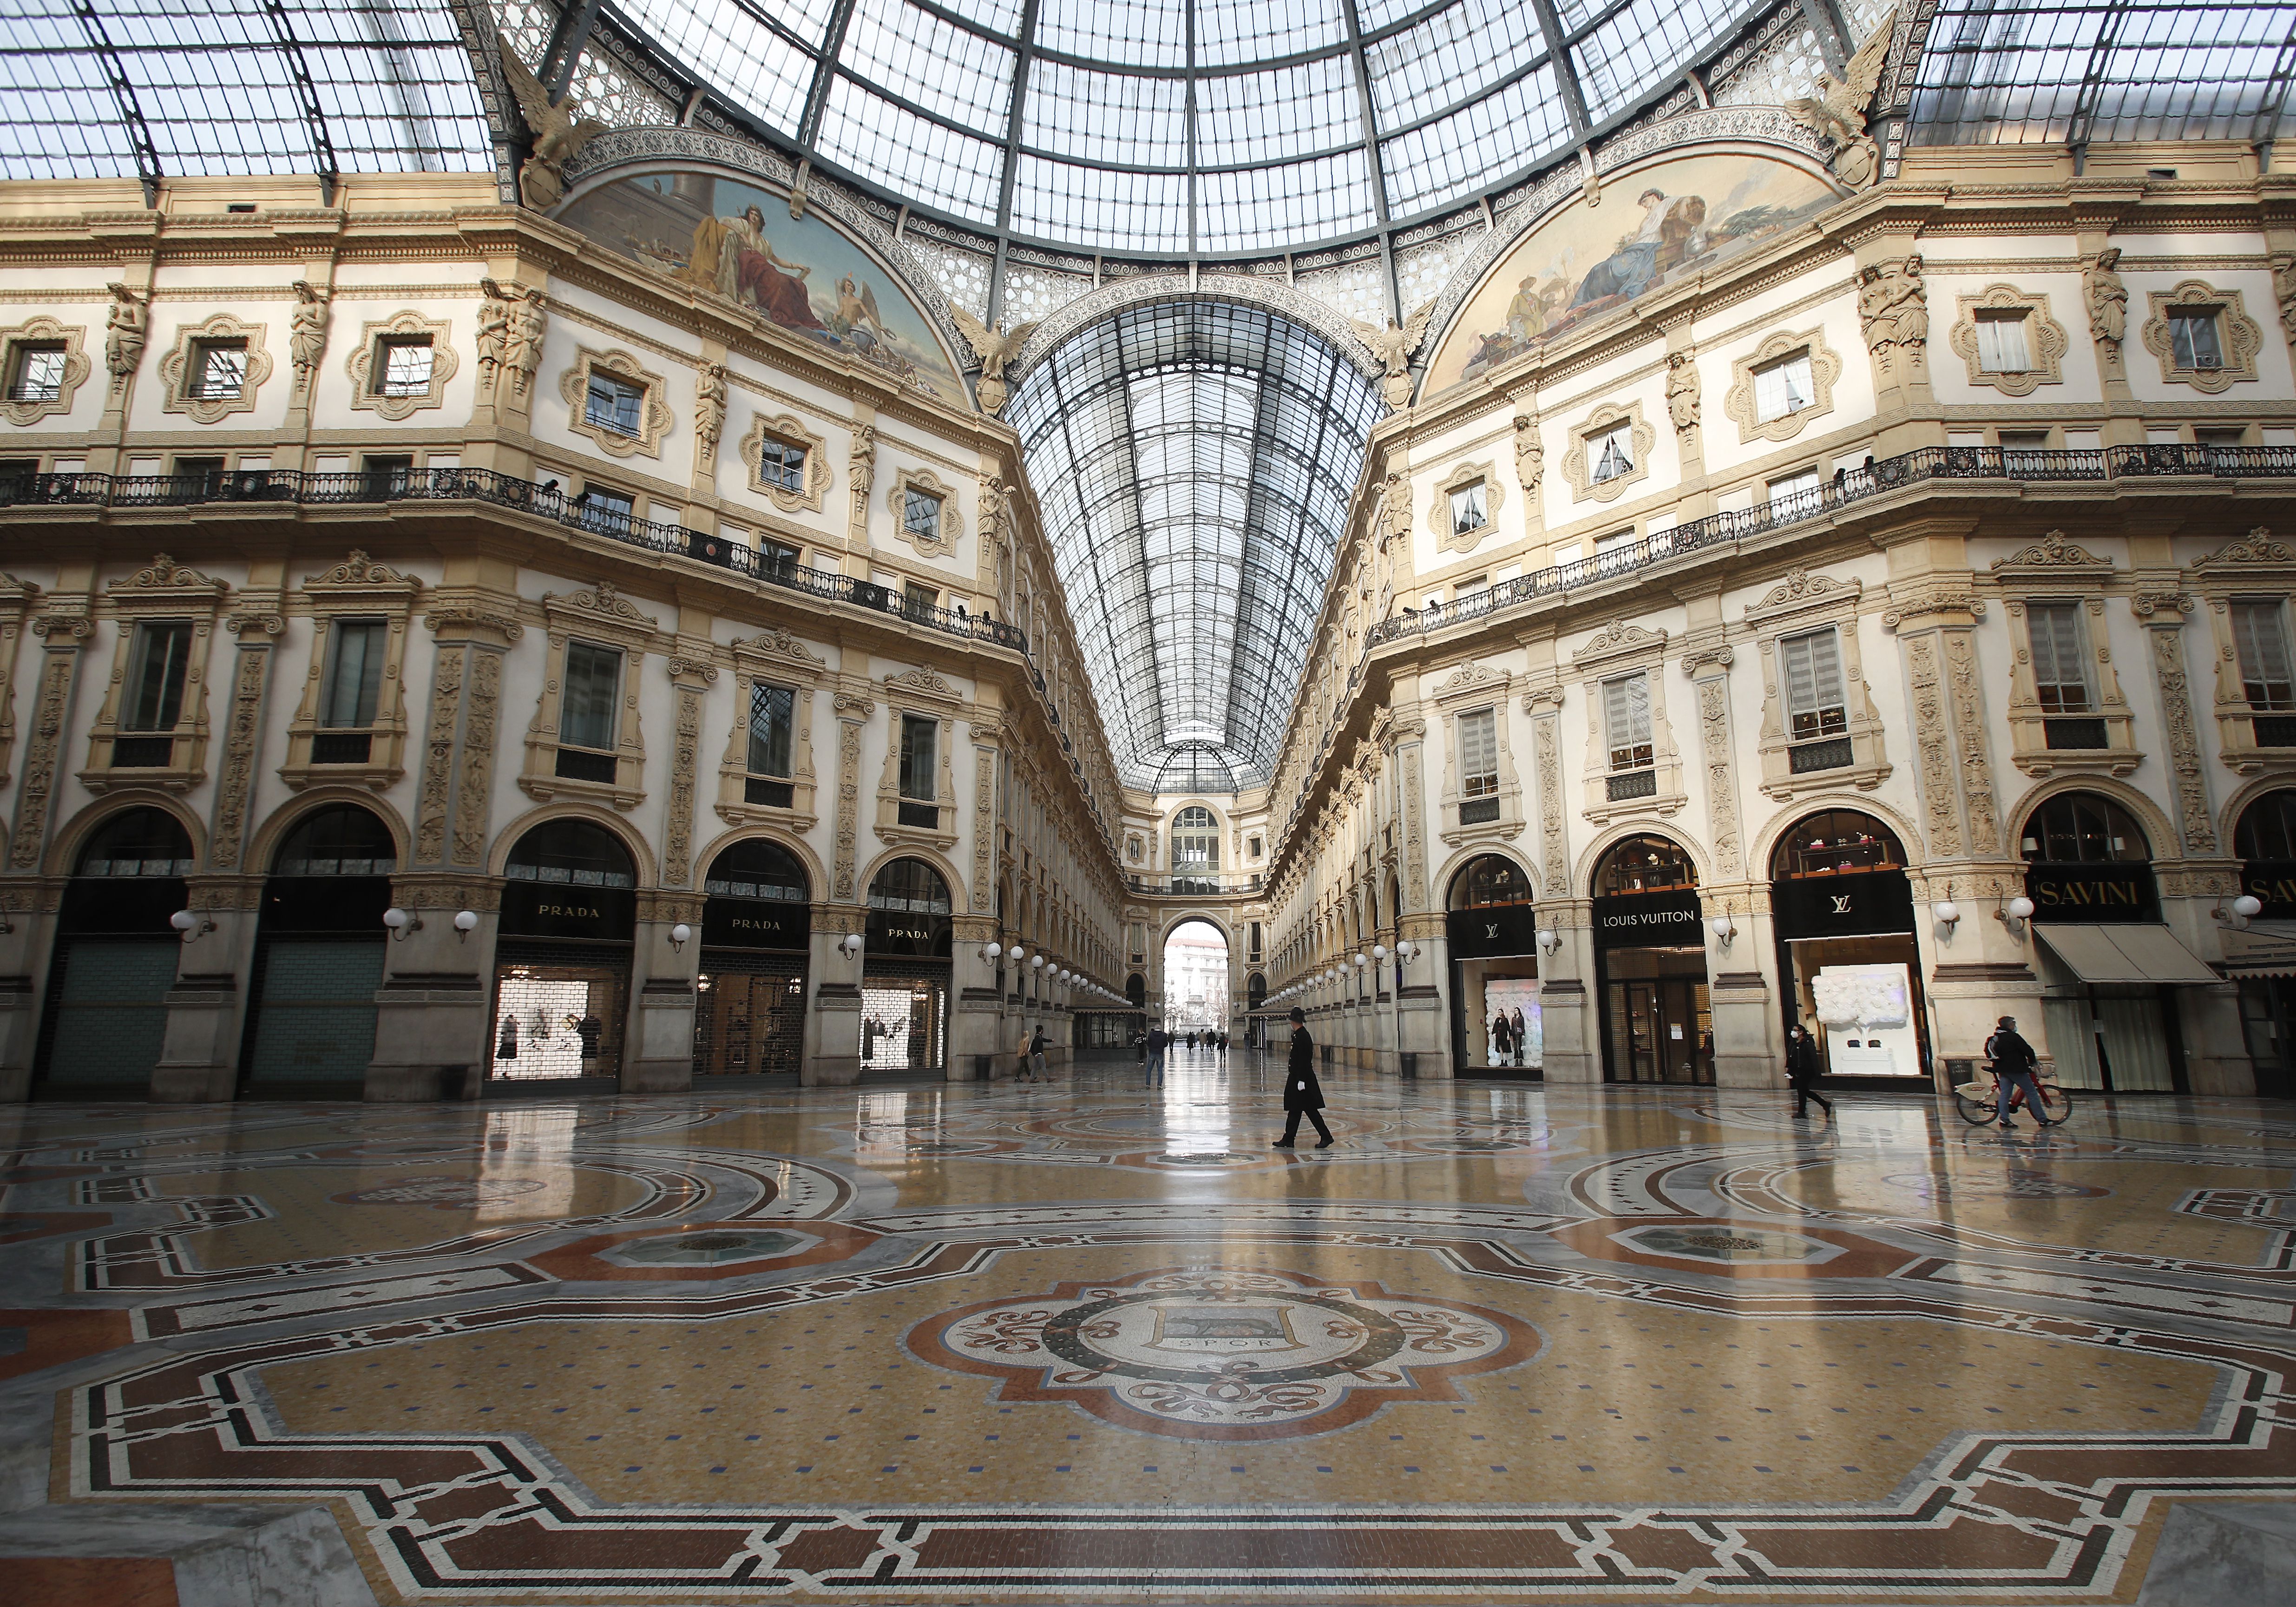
x: 2107, y: 299
x: 1682, y: 392
x: 510, y: 325
x: 1530, y: 453
x: 1892, y: 305
x: 1836, y: 111
x: 559, y: 136
x: 1393, y: 346
x: 861, y: 474
x: 125, y: 329
x: 995, y: 348
x: 306, y: 333
x: 709, y: 409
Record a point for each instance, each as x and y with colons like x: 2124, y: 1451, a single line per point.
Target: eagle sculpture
x: 1836, y: 112
x: 995, y: 348
x: 558, y: 136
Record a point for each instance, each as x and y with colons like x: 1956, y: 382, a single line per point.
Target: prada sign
x: 2274, y: 883
x: 2091, y: 893
x: 753, y: 923
x: 557, y: 909
x: 1650, y: 921
x: 906, y: 932
x: 1874, y: 902
x: 1500, y: 929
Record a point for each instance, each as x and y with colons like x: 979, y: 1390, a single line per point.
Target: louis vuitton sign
x: 1650, y: 921
x: 1862, y: 905
x: 1493, y: 931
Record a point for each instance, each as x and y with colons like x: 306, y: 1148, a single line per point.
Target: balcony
x: 1183, y: 887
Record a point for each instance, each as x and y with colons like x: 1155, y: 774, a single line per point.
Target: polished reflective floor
x: 1095, y: 1341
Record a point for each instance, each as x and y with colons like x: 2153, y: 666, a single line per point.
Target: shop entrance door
x: 1661, y: 1030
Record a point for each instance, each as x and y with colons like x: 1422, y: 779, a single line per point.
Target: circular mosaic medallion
x: 1224, y: 1354
x: 448, y: 1193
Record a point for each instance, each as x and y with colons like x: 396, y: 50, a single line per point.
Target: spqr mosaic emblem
x: 1222, y: 1354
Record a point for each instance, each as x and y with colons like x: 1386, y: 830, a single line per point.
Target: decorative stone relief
x: 1940, y: 804
x: 126, y: 326
x: 860, y: 476
x: 984, y: 789
x: 1969, y: 731
x: 2045, y: 342
x: 709, y: 414
x: 510, y: 326
x: 1721, y: 796
x: 2165, y: 625
x: 242, y: 735
x: 307, y: 336
x: 2107, y: 300
x: 65, y: 634
x: 1546, y: 759
x: 684, y: 757
x: 1893, y: 308
x: 1415, y: 834
x: 2052, y: 551
x: 851, y: 712
x: 2239, y: 337
x: 366, y: 384
x: 437, y: 783
x: 475, y: 793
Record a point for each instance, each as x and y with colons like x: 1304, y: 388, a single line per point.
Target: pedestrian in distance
x: 1303, y: 1095
x: 1803, y: 1068
x: 2013, y: 1061
x: 1037, y: 1047
x: 1518, y: 1033
x: 1501, y: 1040
x: 1022, y: 1070
x: 1159, y: 1044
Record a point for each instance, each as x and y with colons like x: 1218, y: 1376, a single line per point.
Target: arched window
x: 138, y: 842
x: 1490, y: 880
x: 1195, y: 842
x: 909, y: 887
x: 1645, y: 865
x: 1841, y: 841
x: 759, y: 870
x: 2267, y: 829
x: 341, y: 839
x: 2082, y: 829
x: 572, y: 852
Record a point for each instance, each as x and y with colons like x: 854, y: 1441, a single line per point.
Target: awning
x: 2139, y: 952
x: 2263, y: 948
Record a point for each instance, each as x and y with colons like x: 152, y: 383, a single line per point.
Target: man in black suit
x: 1303, y: 1095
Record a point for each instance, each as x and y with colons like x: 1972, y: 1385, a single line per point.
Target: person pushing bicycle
x: 2011, y: 1061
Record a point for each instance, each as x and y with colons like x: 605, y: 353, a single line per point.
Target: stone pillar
x: 1571, y: 1048
x: 1749, y: 1037
x: 1423, y: 1026
x: 976, y: 1021
x: 30, y: 902
x: 658, y: 1057
x: 431, y: 1029
x: 834, y: 1033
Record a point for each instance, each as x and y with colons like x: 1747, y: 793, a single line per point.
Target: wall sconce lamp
x: 852, y: 944
x: 1549, y: 940
x: 1378, y: 952
x: 1947, y: 912
x: 2244, y: 909
x: 400, y: 922
x: 991, y: 951
x: 1725, y: 930
x: 680, y: 936
x: 2014, y: 914
x: 466, y: 922
x: 193, y: 926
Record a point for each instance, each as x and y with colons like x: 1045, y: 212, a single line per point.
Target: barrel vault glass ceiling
x: 1194, y: 461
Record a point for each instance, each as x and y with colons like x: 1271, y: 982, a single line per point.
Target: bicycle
x: 1983, y: 1111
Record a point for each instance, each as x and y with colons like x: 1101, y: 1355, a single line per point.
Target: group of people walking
x: 2008, y: 1056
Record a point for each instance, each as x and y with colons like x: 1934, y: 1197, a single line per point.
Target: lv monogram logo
x: 1840, y: 902
x: 1491, y: 929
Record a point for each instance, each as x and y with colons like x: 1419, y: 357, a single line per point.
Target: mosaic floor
x: 1091, y: 1342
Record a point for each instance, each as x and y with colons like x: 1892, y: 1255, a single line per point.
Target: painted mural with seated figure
x: 1687, y: 214
x: 736, y: 239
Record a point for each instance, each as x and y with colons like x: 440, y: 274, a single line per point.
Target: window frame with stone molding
x: 2045, y: 339
x: 655, y: 419
x: 192, y: 341
x: 596, y: 617
x: 2239, y: 337
x: 162, y: 592
x: 358, y: 588
x: 1617, y: 651
x: 948, y: 524
x: 1797, y: 606
x: 2256, y: 568
x: 2053, y: 572
x: 772, y: 658
x: 1578, y: 465
x: 921, y: 693
x: 1472, y: 689
x: 788, y: 430
x: 42, y: 334
x: 1740, y: 404
x: 1465, y: 477
x: 368, y: 365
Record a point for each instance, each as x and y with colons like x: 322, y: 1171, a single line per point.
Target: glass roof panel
x: 947, y: 70
x: 998, y: 16
x: 736, y: 45
x: 910, y: 154
x: 1644, y: 46
x: 1145, y: 212
x: 1195, y: 460
x: 1127, y: 33
x: 1453, y: 156
x: 394, y: 85
x: 1434, y: 64
x: 62, y: 121
x: 2014, y: 73
x: 1086, y: 115
x: 1231, y: 32
x: 1277, y: 114
x: 1258, y: 208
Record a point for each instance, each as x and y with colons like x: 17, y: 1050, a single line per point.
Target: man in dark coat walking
x: 1303, y: 1095
x: 1803, y: 1070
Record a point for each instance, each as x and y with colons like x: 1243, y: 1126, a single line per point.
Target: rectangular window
x: 921, y: 517
x: 1251, y: 949
x: 2260, y: 634
x: 599, y: 508
x: 783, y: 464
x: 1479, y: 753
x: 772, y: 713
x: 777, y: 560
x: 614, y: 404
x: 405, y: 367
x: 218, y: 371
x: 1467, y: 509
x: 2192, y: 337
x: 1627, y: 720
x: 35, y: 371
x: 1251, y: 845
x: 2001, y: 347
x: 1786, y: 491
x: 2060, y: 670
x: 585, y: 715
x: 1783, y: 388
x: 157, y: 664
x: 1811, y: 663
x: 387, y: 475
x: 354, y: 684
x: 1611, y: 453
x: 918, y: 601
x: 201, y: 476
x: 920, y: 742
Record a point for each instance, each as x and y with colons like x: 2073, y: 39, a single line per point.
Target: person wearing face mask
x: 1803, y: 1069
